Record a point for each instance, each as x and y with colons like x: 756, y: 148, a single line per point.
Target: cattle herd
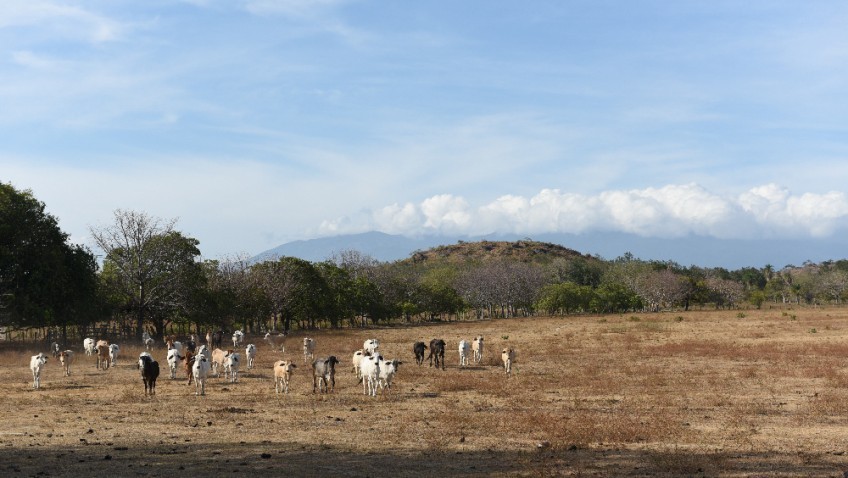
x: 373, y: 371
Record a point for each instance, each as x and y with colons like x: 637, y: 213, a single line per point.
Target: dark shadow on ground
x: 93, y: 459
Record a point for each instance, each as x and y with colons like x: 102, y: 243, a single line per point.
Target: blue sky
x: 258, y: 122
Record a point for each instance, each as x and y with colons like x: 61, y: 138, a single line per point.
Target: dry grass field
x: 702, y: 393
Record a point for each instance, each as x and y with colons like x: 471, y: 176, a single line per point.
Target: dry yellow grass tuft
x: 697, y: 393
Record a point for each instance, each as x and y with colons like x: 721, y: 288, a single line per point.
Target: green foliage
x: 43, y: 279
x: 565, y: 298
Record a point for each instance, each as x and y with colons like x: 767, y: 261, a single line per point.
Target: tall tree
x: 148, y: 266
x: 44, y: 280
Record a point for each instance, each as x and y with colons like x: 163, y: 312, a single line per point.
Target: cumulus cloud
x: 670, y: 211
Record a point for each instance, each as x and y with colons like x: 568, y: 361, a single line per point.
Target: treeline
x: 152, y: 278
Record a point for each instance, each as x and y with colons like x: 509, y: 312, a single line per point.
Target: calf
x: 55, y: 349
x: 437, y: 353
x: 308, y: 350
x: 477, y: 347
x: 324, y: 374
x: 149, y: 373
x: 388, y: 369
x: 200, y: 371
x: 102, y: 354
x: 250, y: 353
x: 508, y: 356
x: 36, y: 364
x: 114, y: 350
x: 418, y: 349
x: 282, y: 375
x: 464, y: 352
x: 188, y: 364
x: 66, y: 358
x: 276, y: 341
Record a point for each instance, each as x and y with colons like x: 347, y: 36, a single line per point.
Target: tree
x: 565, y: 298
x: 833, y: 283
x: 44, y: 280
x: 149, y: 267
x: 293, y: 289
x: 661, y: 289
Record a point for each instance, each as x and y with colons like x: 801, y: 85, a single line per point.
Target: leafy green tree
x: 149, y: 268
x: 294, y: 290
x: 614, y: 298
x: 436, y: 293
x: 565, y: 298
x: 44, y: 280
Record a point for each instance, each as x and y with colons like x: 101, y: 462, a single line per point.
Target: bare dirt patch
x: 694, y: 394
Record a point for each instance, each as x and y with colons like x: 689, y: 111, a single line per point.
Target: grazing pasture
x: 700, y: 393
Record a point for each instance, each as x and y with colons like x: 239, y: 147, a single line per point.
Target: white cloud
x: 65, y: 20
x: 669, y: 211
x: 298, y: 8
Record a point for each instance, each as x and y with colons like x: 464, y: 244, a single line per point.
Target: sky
x: 258, y: 122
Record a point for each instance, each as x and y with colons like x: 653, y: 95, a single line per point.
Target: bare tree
x: 725, y: 291
x: 661, y: 289
x: 145, y: 264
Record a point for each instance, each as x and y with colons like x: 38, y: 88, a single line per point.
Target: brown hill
x: 524, y: 250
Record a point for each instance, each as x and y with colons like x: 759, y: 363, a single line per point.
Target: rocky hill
x: 524, y: 250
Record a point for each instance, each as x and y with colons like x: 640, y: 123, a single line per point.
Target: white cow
x: 308, y: 350
x: 36, y: 364
x: 231, y: 366
x: 477, y: 347
x: 464, y: 352
x: 388, y: 369
x: 238, y: 338
x: 369, y: 368
x: 147, y: 340
x: 371, y: 346
x: 89, y: 345
x: 200, y: 370
x: 250, y: 353
x: 114, y: 350
x: 508, y: 356
x: 204, y: 350
x: 173, y: 360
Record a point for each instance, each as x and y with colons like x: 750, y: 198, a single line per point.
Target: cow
x: 149, y: 373
x: 437, y: 353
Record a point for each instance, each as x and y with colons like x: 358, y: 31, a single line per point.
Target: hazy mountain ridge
x: 693, y: 250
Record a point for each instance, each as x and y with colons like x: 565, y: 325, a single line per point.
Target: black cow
x: 437, y: 352
x: 149, y: 373
x: 419, y: 349
x: 324, y: 374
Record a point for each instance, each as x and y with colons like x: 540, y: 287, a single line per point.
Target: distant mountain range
x: 693, y: 250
